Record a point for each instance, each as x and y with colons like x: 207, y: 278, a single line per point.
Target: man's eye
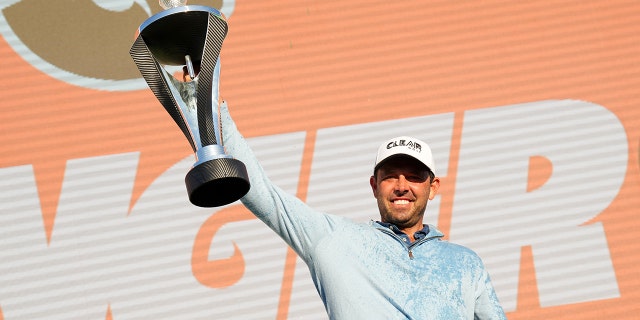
x: 416, y: 178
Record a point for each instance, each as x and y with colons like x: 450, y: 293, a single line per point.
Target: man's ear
x: 374, y: 186
x: 433, y: 188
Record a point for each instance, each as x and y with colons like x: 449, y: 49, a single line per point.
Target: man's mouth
x: 401, y: 201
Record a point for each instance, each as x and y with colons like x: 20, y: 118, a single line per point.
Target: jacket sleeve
x: 487, y: 305
x: 297, y: 224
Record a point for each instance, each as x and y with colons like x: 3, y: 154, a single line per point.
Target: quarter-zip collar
x: 429, y: 232
x: 405, y: 237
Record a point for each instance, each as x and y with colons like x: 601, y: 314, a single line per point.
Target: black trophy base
x: 217, y: 182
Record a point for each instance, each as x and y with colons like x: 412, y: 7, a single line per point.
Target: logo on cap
x: 404, y: 143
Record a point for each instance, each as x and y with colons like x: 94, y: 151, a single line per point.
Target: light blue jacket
x: 365, y: 271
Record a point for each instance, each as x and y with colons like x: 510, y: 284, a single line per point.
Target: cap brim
x: 399, y: 155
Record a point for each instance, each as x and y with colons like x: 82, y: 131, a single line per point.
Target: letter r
x: 495, y: 215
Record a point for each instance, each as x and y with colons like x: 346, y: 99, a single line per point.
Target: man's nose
x: 402, y: 184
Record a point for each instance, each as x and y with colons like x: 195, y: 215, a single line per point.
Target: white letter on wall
x: 495, y: 215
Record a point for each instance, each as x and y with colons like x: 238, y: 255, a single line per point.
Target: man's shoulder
x: 458, y: 251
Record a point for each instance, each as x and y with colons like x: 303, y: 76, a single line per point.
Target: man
x: 395, y: 268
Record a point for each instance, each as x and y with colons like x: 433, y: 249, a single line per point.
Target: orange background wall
x: 306, y: 65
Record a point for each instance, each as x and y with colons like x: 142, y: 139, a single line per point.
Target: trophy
x: 191, y: 36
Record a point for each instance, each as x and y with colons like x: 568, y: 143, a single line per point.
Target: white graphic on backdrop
x: 494, y: 214
x: 139, y: 263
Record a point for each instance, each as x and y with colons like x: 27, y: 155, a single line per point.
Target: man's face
x: 402, y: 188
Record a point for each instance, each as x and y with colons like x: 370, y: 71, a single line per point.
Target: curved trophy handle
x: 192, y: 36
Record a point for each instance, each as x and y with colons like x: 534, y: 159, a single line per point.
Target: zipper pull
x: 410, y: 254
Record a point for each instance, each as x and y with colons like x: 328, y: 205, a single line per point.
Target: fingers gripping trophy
x: 191, y: 37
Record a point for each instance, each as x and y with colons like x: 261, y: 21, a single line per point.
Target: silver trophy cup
x: 191, y: 37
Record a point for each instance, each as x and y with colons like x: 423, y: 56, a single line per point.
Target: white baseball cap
x: 408, y: 146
